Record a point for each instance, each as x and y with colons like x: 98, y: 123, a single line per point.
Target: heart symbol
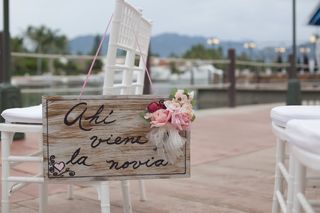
x: 59, y: 166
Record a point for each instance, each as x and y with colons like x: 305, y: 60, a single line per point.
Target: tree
x: 174, y: 69
x: 21, y: 65
x: 45, y: 40
x: 153, y: 54
x: 200, y: 52
x: 98, y: 63
x: 173, y: 55
x: 17, y: 44
x: 243, y: 57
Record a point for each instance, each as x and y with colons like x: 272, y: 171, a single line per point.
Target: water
x: 32, y: 96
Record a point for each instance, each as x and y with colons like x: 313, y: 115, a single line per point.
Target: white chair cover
x: 30, y: 115
x: 304, y: 134
x: 282, y: 114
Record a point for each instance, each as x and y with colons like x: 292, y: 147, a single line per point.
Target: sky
x: 263, y: 21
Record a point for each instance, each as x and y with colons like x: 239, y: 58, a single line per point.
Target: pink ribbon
x: 95, y: 58
x: 97, y: 53
x: 143, y: 60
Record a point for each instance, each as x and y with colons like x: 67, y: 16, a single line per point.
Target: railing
x: 248, y: 74
x: 53, y: 56
x: 218, y: 62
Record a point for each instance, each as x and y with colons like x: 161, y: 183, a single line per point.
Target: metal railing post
x: 232, y: 78
x: 293, y: 92
x: 1, y: 58
x: 6, y: 43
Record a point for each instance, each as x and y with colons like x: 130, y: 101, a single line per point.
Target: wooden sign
x: 103, y: 138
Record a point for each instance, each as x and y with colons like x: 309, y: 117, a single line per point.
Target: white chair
x: 280, y: 116
x: 129, y: 32
x: 304, y: 137
x: 134, y: 39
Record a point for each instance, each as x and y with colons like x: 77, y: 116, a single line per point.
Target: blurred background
x: 52, y: 44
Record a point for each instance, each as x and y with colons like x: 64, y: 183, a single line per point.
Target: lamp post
x: 313, y: 41
x: 250, y: 46
x: 305, y: 61
x: 279, y: 51
x: 214, y: 41
x: 293, y: 91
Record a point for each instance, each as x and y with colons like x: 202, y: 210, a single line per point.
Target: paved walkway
x: 232, y: 157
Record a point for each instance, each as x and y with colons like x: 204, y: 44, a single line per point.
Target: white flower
x: 179, y: 94
x: 180, y: 97
x: 172, y: 106
x: 187, y: 109
x: 147, y: 115
x: 191, y: 95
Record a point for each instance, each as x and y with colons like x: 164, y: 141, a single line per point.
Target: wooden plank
x: 103, y: 138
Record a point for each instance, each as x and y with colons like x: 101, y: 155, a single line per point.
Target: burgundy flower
x: 152, y: 107
x: 161, y: 104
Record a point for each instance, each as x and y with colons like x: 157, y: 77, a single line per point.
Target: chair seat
x: 282, y: 114
x: 304, y: 134
x: 30, y: 115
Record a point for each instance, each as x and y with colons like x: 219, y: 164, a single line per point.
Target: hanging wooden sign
x: 103, y: 138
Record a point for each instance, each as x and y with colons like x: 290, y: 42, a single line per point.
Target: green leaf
x: 173, y: 93
x: 142, y: 114
x: 186, y: 92
x: 146, y: 121
x: 193, y: 117
x: 193, y: 102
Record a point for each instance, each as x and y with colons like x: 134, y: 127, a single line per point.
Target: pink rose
x: 180, y: 121
x: 160, y: 118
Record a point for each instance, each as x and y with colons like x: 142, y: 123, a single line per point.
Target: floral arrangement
x: 167, y: 119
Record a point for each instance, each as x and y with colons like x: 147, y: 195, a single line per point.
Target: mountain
x: 171, y: 43
x: 167, y: 44
x: 164, y: 45
x: 84, y: 45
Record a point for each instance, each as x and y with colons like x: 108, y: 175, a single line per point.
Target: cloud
x: 259, y: 20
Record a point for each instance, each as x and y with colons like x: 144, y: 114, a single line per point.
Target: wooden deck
x: 232, y: 169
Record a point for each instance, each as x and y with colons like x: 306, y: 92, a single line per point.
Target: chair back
x: 130, y: 36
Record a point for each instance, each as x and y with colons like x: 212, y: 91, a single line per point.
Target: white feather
x: 168, y: 141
